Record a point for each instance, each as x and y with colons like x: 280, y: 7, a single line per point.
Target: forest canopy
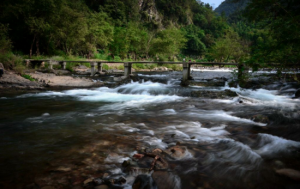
x: 262, y: 31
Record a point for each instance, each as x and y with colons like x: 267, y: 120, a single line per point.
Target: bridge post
x: 93, y: 68
x: 27, y: 63
x: 99, y: 67
x: 64, y: 65
x: 186, y: 72
x: 127, y: 69
x: 51, y: 62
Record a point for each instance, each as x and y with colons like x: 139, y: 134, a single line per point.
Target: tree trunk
x: 30, y: 53
x: 37, y: 47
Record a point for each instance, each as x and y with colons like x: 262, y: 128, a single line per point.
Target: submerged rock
x: 178, y: 152
x: 166, y: 180
x: 260, y: 118
x: 214, y: 94
x: 208, y: 84
x: 291, y: 173
x: 144, y: 182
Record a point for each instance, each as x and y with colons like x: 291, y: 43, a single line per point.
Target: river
x: 62, y: 138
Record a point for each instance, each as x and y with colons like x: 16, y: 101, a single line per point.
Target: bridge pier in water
x: 186, y: 71
x: 127, y: 69
x: 99, y: 67
x: 93, y: 71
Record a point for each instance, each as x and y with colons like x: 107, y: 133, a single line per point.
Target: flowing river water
x: 62, y: 138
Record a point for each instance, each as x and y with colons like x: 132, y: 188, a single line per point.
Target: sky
x: 213, y: 3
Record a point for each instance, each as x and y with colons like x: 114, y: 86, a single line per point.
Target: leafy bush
x: 138, y: 66
x: 105, y: 67
x: 120, y: 67
x: 10, y: 60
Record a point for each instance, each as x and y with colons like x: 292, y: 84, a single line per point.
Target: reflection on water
x: 61, y: 138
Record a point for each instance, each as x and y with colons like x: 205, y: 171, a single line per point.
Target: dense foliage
x: 264, y: 31
x: 132, y: 29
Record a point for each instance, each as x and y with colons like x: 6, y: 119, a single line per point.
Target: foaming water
x: 270, y: 146
x: 91, y: 132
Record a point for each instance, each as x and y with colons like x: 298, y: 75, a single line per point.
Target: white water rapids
x: 220, y: 135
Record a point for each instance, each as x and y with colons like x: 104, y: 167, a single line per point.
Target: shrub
x: 10, y: 61
x: 120, y: 67
x: 105, y: 67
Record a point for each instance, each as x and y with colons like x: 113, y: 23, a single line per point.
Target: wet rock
x: 77, y: 187
x: 144, y: 182
x: 291, y: 173
x: 208, y: 84
x: 260, y: 118
x: 105, y: 175
x: 126, y: 163
x: 101, y: 187
x: 98, y: 181
x: 166, y: 180
x: 63, y: 169
x: 157, y: 151
x: 184, y: 83
x: 297, y: 94
x: 88, y: 181
x: 214, y: 94
x: 233, y: 84
x: 48, y: 187
x: 177, y: 152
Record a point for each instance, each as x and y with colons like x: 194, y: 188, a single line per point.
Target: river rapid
x: 61, y: 139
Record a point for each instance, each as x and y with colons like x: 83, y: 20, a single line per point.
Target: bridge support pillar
x: 186, y: 72
x: 99, y: 67
x: 93, y: 68
x: 51, y: 63
x: 27, y: 63
x: 127, y: 69
x: 64, y: 65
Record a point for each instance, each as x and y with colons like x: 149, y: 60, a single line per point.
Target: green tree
x: 99, y: 32
x: 231, y: 46
x: 5, y: 42
x: 281, y: 21
x: 168, y: 42
x: 195, y: 37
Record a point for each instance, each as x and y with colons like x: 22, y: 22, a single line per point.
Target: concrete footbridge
x: 97, y: 65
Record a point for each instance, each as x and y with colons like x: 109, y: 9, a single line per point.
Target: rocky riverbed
x: 151, y: 133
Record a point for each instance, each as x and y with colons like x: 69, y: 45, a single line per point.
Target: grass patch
x: 28, y: 77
